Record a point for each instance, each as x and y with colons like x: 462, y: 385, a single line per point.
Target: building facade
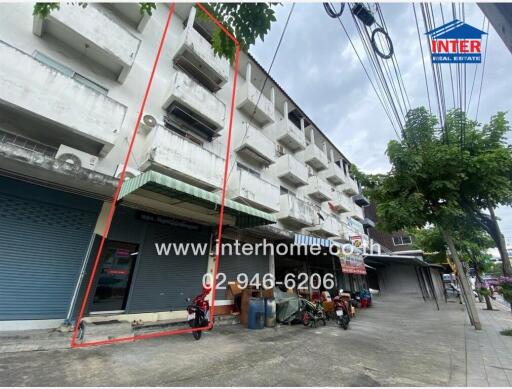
x: 70, y: 91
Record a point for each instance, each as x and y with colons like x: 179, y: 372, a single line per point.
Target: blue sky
x: 320, y: 71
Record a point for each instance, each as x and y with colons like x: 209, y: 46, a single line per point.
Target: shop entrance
x: 114, y: 277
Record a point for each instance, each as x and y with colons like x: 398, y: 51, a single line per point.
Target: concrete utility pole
x: 464, y: 283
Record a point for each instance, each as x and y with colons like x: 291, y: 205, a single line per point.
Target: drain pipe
x: 85, y: 262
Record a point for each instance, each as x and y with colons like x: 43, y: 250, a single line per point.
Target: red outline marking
x: 106, y: 230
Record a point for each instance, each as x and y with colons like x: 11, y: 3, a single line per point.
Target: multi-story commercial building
x: 70, y: 91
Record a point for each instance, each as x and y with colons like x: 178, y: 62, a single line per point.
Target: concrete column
x: 191, y: 17
x: 312, y: 133
x: 324, y: 147
x: 248, y: 72
x: 273, y: 97
x: 272, y: 265
x: 332, y: 155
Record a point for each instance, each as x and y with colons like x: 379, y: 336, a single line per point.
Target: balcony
x: 290, y: 169
x: 328, y: 227
x: 356, y: 213
x: 289, y: 135
x: 262, y: 112
x: 350, y: 187
x: 195, y: 56
x: 256, y: 146
x: 131, y: 13
x: 296, y: 211
x: 340, y: 202
x: 167, y: 152
x: 350, y: 229
x: 333, y: 174
x: 77, y: 115
x: 93, y: 34
x: 318, y: 189
x: 192, y: 102
x: 368, y: 223
x: 247, y: 187
x: 315, y: 157
x: 361, y: 200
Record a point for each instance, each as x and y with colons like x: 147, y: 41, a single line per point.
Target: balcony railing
x: 197, y: 101
x: 94, y: 34
x: 350, y: 186
x: 79, y: 111
x: 340, y: 202
x: 195, y: 56
x: 361, y: 200
x: 315, y: 157
x: 289, y: 135
x: 333, y: 174
x: 249, y: 188
x: 326, y: 226
x: 171, y: 154
x: 262, y: 111
x: 256, y: 145
x: 292, y: 170
x: 319, y: 189
x: 296, y: 211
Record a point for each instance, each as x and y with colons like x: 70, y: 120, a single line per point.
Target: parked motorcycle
x: 199, y: 312
x: 312, y: 313
x: 342, y: 309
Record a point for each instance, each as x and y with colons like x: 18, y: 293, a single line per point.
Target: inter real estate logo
x: 456, y: 42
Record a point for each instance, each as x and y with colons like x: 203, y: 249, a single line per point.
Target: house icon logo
x: 456, y: 42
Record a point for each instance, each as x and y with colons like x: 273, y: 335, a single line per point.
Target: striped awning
x: 306, y: 240
x: 170, y: 187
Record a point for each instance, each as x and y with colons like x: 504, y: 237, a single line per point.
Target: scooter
x: 312, y: 313
x: 199, y: 312
x: 342, y: 309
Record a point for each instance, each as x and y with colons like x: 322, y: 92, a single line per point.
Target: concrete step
x: 100, y: 331
x: 33, y: 340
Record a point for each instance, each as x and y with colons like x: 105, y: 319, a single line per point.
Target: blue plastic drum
x: 256, y: 313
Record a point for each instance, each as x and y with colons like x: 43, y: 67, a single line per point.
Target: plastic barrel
x: 256, y: 313
x: 270, y: 312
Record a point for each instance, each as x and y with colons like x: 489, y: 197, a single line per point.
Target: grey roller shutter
x: 232, y: 265
x: 42, y: 245
x: 162, y: 283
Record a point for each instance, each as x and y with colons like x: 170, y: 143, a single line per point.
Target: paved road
x: 396, y: 342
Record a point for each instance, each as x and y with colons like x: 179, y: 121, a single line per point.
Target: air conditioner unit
x: 129, y: 173
x: 76, y: 157
x: 147, y: 123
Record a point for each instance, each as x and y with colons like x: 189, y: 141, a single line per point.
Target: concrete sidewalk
x: 397, y: 342
x: 489, y: 354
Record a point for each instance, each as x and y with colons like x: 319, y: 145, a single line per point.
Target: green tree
x: 436, y: 175
x: 245, y: 21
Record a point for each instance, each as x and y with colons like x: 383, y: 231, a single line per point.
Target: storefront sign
x: 149, y: 217
x: 357, y: 241
x: 352, y: 264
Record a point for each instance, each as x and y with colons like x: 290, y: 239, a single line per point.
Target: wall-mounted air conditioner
x: 76, y: 157
x: 147, y: 123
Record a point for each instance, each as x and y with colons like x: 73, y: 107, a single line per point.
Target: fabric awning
x: 160, y: 184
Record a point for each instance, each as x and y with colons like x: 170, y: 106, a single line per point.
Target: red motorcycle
x: 342, y: 310
x: 199, y: 312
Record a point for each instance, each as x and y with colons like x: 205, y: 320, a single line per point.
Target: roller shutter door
x: 44, y: 235
x: 162, y: 283
x: 232, y: 265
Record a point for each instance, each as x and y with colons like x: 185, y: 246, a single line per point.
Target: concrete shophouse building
x: 70, y: 90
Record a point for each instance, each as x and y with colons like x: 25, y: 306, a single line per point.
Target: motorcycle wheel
x: 197, y: 334
x: 344, y: 324
x: 196, y: 324
x: 324, y: 321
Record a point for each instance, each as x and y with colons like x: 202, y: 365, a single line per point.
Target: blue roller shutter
x: 44, y: 236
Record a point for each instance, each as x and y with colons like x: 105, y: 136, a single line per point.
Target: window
x: 283, y: 190
x: 185, y: 122
x: 402, y: 240
x: 69, y: 72
x: 247, y: 169
x: 27, y: 144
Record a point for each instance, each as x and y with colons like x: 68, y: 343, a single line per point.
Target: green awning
x: 170, y: 187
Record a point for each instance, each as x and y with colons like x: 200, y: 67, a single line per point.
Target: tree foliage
x: 437, y: 174
x: 245, y: 21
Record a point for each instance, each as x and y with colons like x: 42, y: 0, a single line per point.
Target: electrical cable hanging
x: 366, y: 73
